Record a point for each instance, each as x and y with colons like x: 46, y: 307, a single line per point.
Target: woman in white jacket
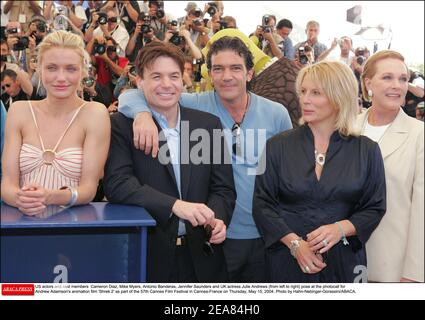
x: 395, y: 251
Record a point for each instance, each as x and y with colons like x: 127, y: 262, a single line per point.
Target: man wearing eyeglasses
x: 188, y: 189
x: 250, y: 120
x: 15, y: 86
x: 111, y: 29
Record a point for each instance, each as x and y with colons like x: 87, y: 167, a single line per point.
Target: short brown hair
x: 369, y: 69
x: 153, y: 51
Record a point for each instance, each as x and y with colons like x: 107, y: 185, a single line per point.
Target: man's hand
x: 113, y: 107
x: 198, y: 214
x: 218, y: 232
x: 145, y: 134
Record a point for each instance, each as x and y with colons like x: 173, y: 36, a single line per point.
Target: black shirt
x: 288, y: 198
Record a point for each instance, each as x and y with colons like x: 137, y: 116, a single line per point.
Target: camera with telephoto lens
x: 22, y: 44
x: 99, y: 48
x: 103, y: 18
x: 88, y: 81
x: 212, y: 8
x: 302, y: 57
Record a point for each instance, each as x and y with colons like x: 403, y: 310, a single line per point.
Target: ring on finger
x: 306, y: 269
x: 325, y: 242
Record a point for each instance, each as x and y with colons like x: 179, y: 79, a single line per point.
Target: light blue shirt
x: 173, y: 141
x: 264, y: 119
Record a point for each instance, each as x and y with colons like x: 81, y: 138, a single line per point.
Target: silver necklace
x: 320, y: 158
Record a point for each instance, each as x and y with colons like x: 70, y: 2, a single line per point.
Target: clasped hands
x: 32, y: 199
x: 309, y: 254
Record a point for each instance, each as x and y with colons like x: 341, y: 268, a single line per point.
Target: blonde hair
x: 369, y: 69
x: 68, y: 40
x: 340, y: 86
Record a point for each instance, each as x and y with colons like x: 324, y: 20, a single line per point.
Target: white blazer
x: 396, y: 247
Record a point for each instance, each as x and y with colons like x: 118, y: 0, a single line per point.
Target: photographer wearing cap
x: 195, y: 24
x: 106, y: 23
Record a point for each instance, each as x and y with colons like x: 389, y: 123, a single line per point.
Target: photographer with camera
x: 267, y: 39
x: 181, y: 38
x: 215, y: 10
x: 105, y: 23
x: 142, y: 35
x: 304, y: 56
x: 18, y: 43
x: 128, y: 80
x: 361, y: 54
x: 64, y: 8
x: 158, y: 20
x: 21, y: 11
x: 93, y: 91
x: 415, y: 93
x: 346, y: 54
x: 312, y: 31
x: 195, y: 24
x: 109, y: 65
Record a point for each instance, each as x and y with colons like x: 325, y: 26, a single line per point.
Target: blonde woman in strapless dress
x: 55, y: 149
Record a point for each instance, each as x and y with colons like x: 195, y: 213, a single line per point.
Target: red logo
x: 13, y: 289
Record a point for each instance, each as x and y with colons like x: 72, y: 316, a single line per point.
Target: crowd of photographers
x: 115, y: 31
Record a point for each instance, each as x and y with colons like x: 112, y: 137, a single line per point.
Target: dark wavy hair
x: 233, y: 44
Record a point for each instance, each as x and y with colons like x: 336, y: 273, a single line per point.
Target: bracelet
x: 343, y: 238
x: 74, y: 196
x: 295, y: 244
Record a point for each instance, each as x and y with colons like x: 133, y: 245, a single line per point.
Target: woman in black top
x: 323, y: 191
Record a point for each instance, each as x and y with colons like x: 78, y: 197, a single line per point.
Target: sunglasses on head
x: 207, y: 247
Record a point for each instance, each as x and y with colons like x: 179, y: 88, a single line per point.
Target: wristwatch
x: 295, y: 244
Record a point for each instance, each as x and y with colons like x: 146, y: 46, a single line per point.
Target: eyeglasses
x: 8, y: 85
x: 112, y: 19
x: 236, y: 132
x: 111, y: 49
x: 207, y: 247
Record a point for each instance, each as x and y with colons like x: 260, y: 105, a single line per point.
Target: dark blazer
x: 131, y: 177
